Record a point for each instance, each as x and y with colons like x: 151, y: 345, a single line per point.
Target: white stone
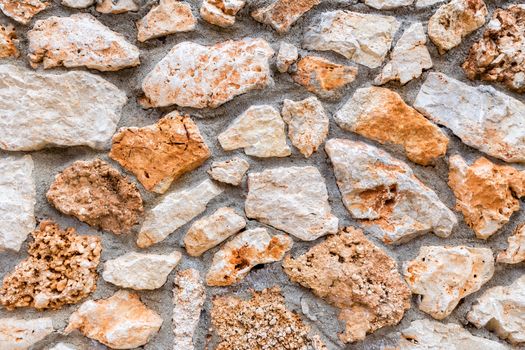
x: 17, y: 334
x: 286, y: 56
x: 427, y: 3
x: 68, y: 109
x: 230, y: 171
x: 63, y: 346
x: 388, y: 4
x: 117, y: 6
x: 221, y: 12
x: 78, y: 4
x: 515, y: 252
x: 170, y: 16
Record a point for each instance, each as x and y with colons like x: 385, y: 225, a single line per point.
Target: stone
x: 140, y: 271
x: 442, y: 276
x: 349, y: 272
x: 186, y: 78
x: 515, y: 252
x: 381, y: 114
x: 78, y: 4
x: 420, y: 4
x: 384, y: 195
x: 487, y: 194
x: 121, y: 321
x: 79, y: 40
x: 238, y: 256
x: 18, y: 334
x: 388, y: 4
x: 175, y: 210
x: 8, y: 39
x: 97, y: 194
x: 259, y: 130
x: 23, y: 11
x: 159, y: 154
x: 221, y: 12
x: 409, y: 58
x: 61, y: 269
x: 286, y: 56
x: 291, y: 199
x: 17, y: 207
x: 212, y: 230
x: 282, y: 14
x: 362, y: 38
x: 455, y: 20
x: 46, y: 110
x: 480, y: 116
x: 169, y: 17
x: 117, y: 6
x: 63, y: 346
x: 230, y: 171
x: 308, y: 124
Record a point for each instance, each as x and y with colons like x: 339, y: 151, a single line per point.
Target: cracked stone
x: 221, y: 12
x: 17, y: 334
x: 286, y: 56
x: 117, y: 6
x: 78, y: 4
x: 282, y: 14
x: 23, y: 11
x: 230, y: 171
x: 515, y: 252
x: 169, y: 17
x: 8, y: 39
x: 388, y: 4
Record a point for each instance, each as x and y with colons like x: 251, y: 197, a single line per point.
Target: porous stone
x: 97, y: 194
x: 117, y: 6
x: 174, y: 210
x: 18, y: 334
x: 381, y: 115
x: 160, y: 153
x: 388, y: 4
x: 249, y: 248
x: 291, y: 199
x: 259, y: 130
x: 281, y: 14
x: 121, y: 321
x: 221, y: 12
x: 140, y: 271
x: 286, y: 56
x: 362, y: 38
x: 230, y: 171
x: 515, y: 252
x: 384, y: 194
x: 442, y: 276
x: 63, y: 346
x: 169, y: 17
x: 78, y: 4
x: 480, y: 116
x: 43, y: 109
x: 79, y: 40
x: 7, y: 41
x: 354, y: 275
x: 23, y: 11
x: 61, y: 269
x: 186, y: 78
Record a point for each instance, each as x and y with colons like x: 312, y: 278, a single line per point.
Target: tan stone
x: 169, y: 17
x: 230, y: 171
x: 7, y: 41
x: 286, y: 56
x: 388, y: 4
x: 23, y: 11
x: 221, y: 12
x: 77, y: 4
x: 117, y: 6
x: 19, y: 334
x: 281, y: 14
x: 515, y: 252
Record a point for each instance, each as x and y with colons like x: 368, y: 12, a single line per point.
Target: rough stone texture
x: 7, y: 41
x: 381, y: 115
x: 169, y: 17
x: 39, y: 110
x: 160, y: 153
x: 442, y: 276
x: 286, y: 56
x: 23, y: 11
x: 230, y: 171
x: 78, y: 4
x: 140, y: 271
x: 249, y: 248
x: 388, y: 4
x: 18, y: 334
x: 121, y: 321
x: 221, y: 12
x: 61, y: 269
x: 427, y: 3
x: 354, y: 275
x: 515, y: 252
x: 281, y: 14
x: 116, y: 6
x: 97, y: 194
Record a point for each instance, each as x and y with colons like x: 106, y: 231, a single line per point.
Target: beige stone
x: 286, y: 56
x: 421, y: 4
x: 18, y: 334
x: 230, y: 171
x: 169, y: 17
x: 281, y: 14
x: 221, y: 12
x: 23, y: 11
x: 78, y: 4
x: 388, y: 4
x: 515, y: 252
x: 8, y: 39
x: 117, y: 6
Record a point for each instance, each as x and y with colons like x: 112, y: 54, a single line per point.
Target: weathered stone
x: 61, y: 269
x: 7, y: 41
x: 160, y: 153
x: 221, y: 12
x: 23, y: 11
x: 354, y: 275
x: 249, y: 248
x: 230, y: 171
x: 427, y: 3
x: 307, y: 124
x: 63, y: 346
x: 481, y: 116
x: 78, y: 4
x: 409, y: 57
x: 97, y: 194
x: 286, y: 56
x: 116, y: 6
x: 170, y: 16
x: 259, y: 130
x: 79, y: 40
x: 291, y: 199
x: 17, y: 334
x: 454, y: 21
x: 212, y: 230
x: 174, y: 210
x: 384, y: 194
x: 363, y: 38
x: 140, y: 271
x: 515, y: 252
x: 381, y: 115
x: 186, y: 78
x: 442, y: 276
x: 388, y: 4
x: 281, y: 14
x: 44, y: 109
x: 121, y: 321
x: 487, y: 194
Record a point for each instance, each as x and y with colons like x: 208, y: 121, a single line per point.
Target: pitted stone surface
x: 8, y: 39
x: 116, y: 7
x: 169, y: 17
x: 515, y: 252
x: 23, y: 11
x: 221, y: 12
x: 281, y: 14
x: 230, y: 171
x: 22, y: 334
x: 286, y: 56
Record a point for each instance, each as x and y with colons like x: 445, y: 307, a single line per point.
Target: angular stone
x: 362, y: 38
x: 281, y: 14
x: 259, y: 130
x: 117, y: 6
x: 169, y: 17
x: 427, y: 3
x: 97, y: 194
x: 121, y: 321
x: 174, y: 210
x: 442, y: 276
x: 354, y: 275
x: 515, y: 252
x: 61, y: 269
x: 286, y: 56
x: 249, y: 248
x: 388, y: 4
x: 221, y: 12
x: 212, y: 230
x: 186, y: 78
x: 291, y: 199
x: 381, y: 115
x: 78, y: 4
x: 481, y: 116
x: 63, y: 346
x: 307, y: 122
x: 384, y: 194
x: 455, y: 20
x: 160, y: 153
x: 23, y: 11
x: 230, y: 171
x: 140, y: 271
x: 44, y: 109
x: 79, y: 40
x: 18, y: 334
x: 7, y: 41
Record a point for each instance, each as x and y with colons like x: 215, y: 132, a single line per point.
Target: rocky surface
x: 8, y: 40
x: 515, y: 252
x: 23, y: 11
x: 420, y: 4
x: 22, y: 334
x: 387, y: 4
x: 168, y: 17
x: 230, y: 171
x: 221, y: 12
x: 286, y: 56
x: 78, y: 4
x: 116, y: 7
x: 63, y: 346
x: 281, y: 14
